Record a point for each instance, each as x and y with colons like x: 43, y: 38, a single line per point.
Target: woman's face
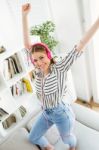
x: 41, y: 61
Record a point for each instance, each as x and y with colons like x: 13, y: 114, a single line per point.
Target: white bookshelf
x: 11, y: 103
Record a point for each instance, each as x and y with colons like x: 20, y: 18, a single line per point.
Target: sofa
x: 86, y: 130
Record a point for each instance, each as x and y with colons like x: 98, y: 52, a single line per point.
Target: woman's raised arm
x: 26, y: 38
x: 88, y: 35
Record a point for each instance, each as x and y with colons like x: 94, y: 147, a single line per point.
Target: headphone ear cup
x: 49, y: 55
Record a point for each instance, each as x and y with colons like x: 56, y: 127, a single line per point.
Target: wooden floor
x: 91, y: 105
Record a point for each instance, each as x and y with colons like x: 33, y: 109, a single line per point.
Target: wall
x: 38, y: 14
x: 7, y: 31
x: 94, y: 8
x: 90, y: 14
x: 67, y: 17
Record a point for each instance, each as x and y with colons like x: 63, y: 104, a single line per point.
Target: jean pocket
x: 59, y: 111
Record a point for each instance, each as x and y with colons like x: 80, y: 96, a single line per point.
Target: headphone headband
x: 48, y: 52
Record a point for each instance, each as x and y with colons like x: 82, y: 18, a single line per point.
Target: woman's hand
x: 26, y: 34
x: 26, y: 8
x: 88, y: 35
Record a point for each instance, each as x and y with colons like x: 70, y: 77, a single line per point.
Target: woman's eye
x: 35, y: 60
x: 41, y: 57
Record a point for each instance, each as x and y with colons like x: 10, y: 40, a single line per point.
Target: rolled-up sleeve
x: 66, y: 62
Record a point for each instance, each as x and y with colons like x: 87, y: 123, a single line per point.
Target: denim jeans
x: 63, y: 117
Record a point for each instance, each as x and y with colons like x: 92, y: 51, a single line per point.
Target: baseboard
x: 90, y: 103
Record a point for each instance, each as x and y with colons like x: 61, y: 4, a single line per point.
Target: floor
x: 90, y: 105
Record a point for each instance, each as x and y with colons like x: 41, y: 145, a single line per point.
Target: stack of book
x: 22, y: 111
x: 11, y: 66
x: 21, y: 87
x: 9, y: 121
x: 3, y: 113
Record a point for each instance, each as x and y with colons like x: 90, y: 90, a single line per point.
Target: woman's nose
x: 39, y: 63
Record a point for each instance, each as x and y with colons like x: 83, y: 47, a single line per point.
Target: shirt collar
x: 39, y: 73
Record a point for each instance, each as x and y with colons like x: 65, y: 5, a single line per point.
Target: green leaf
x: 44, y: 31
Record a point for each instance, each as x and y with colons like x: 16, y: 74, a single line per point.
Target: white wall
x: 38, y: 14
x: 90, y: 13
x: 7, y: 31
x: 94, y: 7
x: 67, y: 18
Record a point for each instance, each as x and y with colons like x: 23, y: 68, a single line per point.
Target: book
x: 11, y: 67
x: 17, y: 62
x: 22, y: 110
x: 9, y: 121
x: 3, y: 113
x: 6, y: 69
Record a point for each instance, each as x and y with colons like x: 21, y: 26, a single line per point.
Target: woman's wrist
x: 24, y: 15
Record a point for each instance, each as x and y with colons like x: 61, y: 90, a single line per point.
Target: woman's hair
x: 41, y: 47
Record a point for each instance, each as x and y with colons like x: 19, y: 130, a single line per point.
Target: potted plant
x: 45, y: 32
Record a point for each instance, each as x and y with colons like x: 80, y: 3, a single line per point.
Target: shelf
x: 11, y: 112
x: 2, y: 88
x: 32, y: 108
x: 15, y: 79
x: 30, y: 68
x: 2, y: 83
x: 8, y: 102
x: 9, y: 52
x: 3, y: 118
x: 24, y: 98
x: 32, y: 104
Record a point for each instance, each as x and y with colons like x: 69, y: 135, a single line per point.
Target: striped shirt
x: 51, y: 89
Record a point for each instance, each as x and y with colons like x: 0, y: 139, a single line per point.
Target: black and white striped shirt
x: 51, y: 89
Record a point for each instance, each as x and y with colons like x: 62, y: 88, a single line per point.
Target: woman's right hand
x: 26, y: 8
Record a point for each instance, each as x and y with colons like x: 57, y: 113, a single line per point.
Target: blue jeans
x: 64, y: 119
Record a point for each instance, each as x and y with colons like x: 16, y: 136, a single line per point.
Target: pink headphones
x: 48, y: 52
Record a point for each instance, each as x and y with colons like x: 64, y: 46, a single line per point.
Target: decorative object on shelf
x: 2, y: 49
x: 28, y: 85
x: 45, y: 31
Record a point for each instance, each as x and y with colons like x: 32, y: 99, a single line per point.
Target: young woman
x: 51, y: 87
